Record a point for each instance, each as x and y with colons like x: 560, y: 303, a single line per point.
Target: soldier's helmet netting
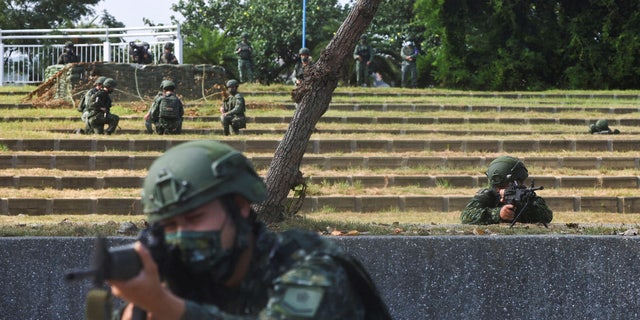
x: 506, y: 169
x: 194, y: 173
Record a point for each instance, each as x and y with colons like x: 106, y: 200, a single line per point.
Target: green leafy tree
x: 43, y: 14
x: 274, y: 26
x: 313, y: 97
x: 393, y: 24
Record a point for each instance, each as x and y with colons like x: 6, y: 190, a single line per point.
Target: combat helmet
x: 167, y: 85
x: 244, y: 35
x: 233, y: 83
x: 100, y: 80
x: 69, y: 45
x: 109, y: 83
x: 194, y: 173
x: 304, y: 50
x: 506, y: 169
x: 600, y: 125
x: 168, y: 45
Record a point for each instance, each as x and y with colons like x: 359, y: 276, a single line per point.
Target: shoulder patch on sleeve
x: 302, y: 301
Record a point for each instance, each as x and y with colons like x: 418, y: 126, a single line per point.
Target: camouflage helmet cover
x: 506, y: 169
x: 68, y: 44
x: 602, y: 125
x: 232, y: 83
x: 244, y: 35
x: 166, y: 84
x: 109, y: 83
x: 168, y: 45
x: 363, y: 37
x: 100, y: 80
x: 194, y: 173
x: 304, y: 51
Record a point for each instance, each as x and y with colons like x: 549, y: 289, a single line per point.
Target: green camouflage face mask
x: 201, y: 252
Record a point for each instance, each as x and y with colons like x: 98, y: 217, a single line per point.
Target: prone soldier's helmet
x: 233, y: 83
x: 194, y: 173
x: 304, y: 51
x: 167, y: 85
x: 100, y: 80
x: 602, y: 125
x: 109, y: 83
x: 506, y: 169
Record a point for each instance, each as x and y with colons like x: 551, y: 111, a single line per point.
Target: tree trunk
x: 313, y: 98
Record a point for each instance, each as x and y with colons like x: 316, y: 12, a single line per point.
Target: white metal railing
x: 27, y: 53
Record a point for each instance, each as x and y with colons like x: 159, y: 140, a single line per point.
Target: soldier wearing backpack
x: 167, y: 111
x: 99, y: 109
x: 83, y: 106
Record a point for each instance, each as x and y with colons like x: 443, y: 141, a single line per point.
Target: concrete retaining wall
x: 464, y: 277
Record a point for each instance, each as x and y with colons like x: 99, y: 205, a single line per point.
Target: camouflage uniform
x: 602, y: 127
x: 293, y: 275
x: 257, y: 274
x: 84, y: 108
x: 363, y: 55
x: 234, y: 108
x: 166, y: 114
x: 68, y: 55
x: 167, y: 56
x: 409, y: 70
x: 245, y: 64
x: 485, y: 207
x: 100, y: 113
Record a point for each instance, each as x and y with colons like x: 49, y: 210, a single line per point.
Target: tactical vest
x: 245, y: 51
x: 170, y: 107
x: 363, y: 50
x: 361, y: 281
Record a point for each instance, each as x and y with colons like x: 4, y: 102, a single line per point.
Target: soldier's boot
x: 225, y: 130
x: 235, y: 130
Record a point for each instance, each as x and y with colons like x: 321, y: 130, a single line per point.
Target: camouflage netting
x: 67, y: 83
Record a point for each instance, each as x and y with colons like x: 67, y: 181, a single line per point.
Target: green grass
x: 331, y: 220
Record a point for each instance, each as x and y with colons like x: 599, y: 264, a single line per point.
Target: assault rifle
x: 117, y: 263
x: 520, y: 197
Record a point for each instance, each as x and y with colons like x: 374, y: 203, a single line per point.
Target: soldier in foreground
x: 222, y: 263
x: 490, y: 206
x: 166, y: 111
x: 233, y: 109
x: 100, y: 109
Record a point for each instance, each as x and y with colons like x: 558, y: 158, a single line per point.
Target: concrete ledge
x: 443, y: 277
x: 332, y: 145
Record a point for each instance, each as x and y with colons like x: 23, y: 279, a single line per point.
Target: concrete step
x: 425, y: 107
x: 365, y: 181
x: 609, y: 143
x: 379, y: 120
x: 334, y: 162
x: 399, y: 132
x: 132, y: 206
